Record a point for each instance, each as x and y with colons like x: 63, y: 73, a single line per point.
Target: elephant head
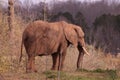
x: 80, y: 35
x: 75, y: 35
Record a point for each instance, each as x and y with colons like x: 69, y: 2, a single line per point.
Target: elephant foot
x: 31, y: 71
x: 35, y: 71
x: 54, y: 68
x: 77, y: 69
x: 61, y: 69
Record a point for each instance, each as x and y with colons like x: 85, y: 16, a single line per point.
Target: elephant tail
x: 21, y: 52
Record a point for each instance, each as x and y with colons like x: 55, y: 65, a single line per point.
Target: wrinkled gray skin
x: 42, y: 38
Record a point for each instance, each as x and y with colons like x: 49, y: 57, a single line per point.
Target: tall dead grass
x: 96, y: 60
x: 101, y: 60
x: 9, y: 61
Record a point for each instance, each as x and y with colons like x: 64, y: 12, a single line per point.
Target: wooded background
x: 100, y: 20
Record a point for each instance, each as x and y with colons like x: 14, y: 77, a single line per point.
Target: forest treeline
x: 100, y: 20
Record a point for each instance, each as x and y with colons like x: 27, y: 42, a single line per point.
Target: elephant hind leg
x: 62, y: 57
x: 31, y: 65
x: 55, y: 58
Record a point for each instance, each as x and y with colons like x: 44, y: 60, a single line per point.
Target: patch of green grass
x: 113, y: 74
x: 90, y: 75
x: 50, y: 74
x: 110, y: 74
x: 94, y: 71
x: 99, y: 71
x: 83, y: 70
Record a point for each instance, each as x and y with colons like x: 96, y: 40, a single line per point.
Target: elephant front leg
x: 80, y: 61
x: 80, y: 58
x: 31, y: 65
x: 55, y: 58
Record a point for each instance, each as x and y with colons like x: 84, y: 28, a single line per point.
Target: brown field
x: 10, y: 69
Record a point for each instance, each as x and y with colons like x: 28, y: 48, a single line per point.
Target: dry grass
x: 9, y: 62
x: 98, y: 59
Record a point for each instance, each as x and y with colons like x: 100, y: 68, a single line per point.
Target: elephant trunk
x: 82, y: 51
x: 80, y: 59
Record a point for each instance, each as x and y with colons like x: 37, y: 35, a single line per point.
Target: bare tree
x: 11, y: 26
x: 11, y: 15
x: 45, y: 13
x: 18, y: 7
x: 0, y: 9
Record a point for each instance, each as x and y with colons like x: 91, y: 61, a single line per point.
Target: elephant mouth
x: 85, y: 51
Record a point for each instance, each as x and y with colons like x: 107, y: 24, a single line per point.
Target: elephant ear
x: 70, y: 34
x: 79, y: 31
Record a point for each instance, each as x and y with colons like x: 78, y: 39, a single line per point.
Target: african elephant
x: 44, y: 38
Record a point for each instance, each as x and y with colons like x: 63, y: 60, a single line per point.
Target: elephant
x: 42, y: 38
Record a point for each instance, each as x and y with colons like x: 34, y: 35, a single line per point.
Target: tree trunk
x: 10, y: 15
x: 45, y: 11
x: 11, y: 32
x: 1, y: 11
x: 11, y: 19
